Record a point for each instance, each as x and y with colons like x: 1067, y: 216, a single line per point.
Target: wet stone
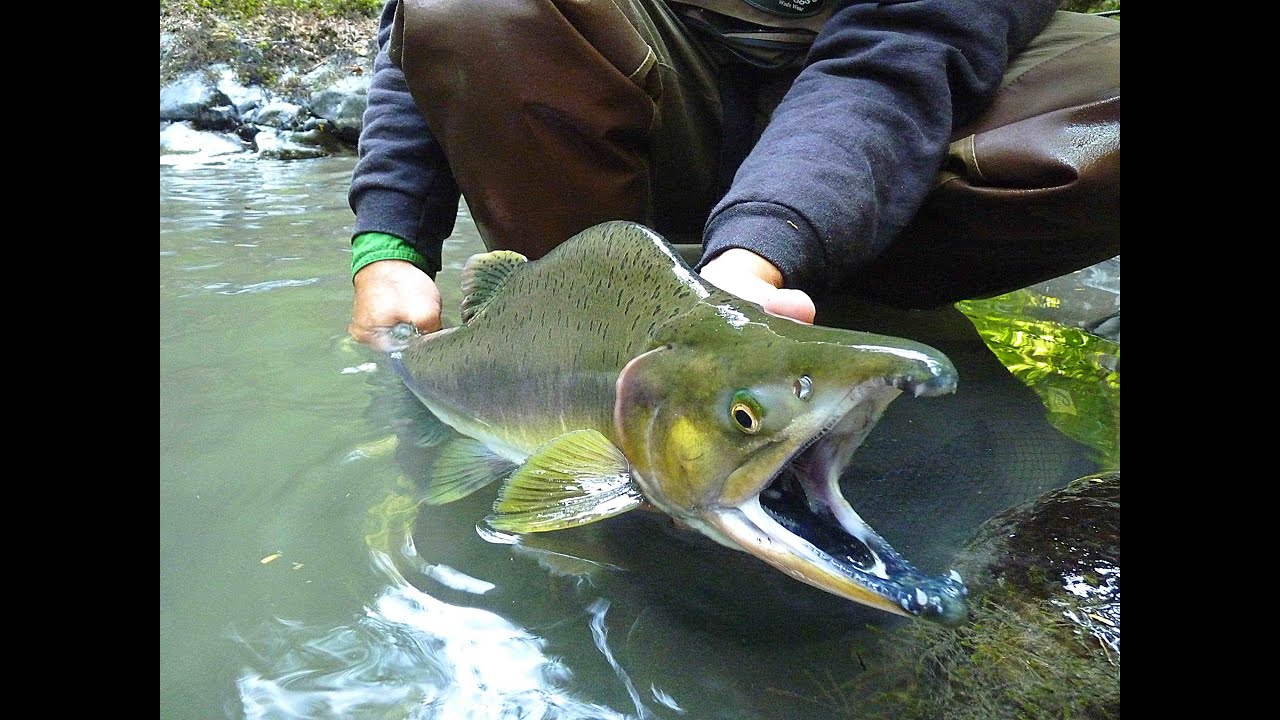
x: 1043, y: 636
x: 1063, y: 549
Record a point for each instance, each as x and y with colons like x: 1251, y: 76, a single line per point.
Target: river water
x: 299, y: 580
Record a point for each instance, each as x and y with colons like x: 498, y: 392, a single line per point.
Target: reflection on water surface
x: 1075, y: 373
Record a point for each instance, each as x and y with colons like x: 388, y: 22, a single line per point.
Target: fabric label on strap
x: 790, y: 8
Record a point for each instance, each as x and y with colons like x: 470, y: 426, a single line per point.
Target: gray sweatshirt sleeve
x: 852, y: 150
x: 401, y: 184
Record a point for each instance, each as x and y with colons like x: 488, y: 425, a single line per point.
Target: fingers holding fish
x: 388, y: 294
x: 751, y: 277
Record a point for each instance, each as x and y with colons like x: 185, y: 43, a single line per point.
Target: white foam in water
x: 456, y: 579
x: 270, y: 285
x: 662, y: 697
x: 412, y: 656
x: 600, y: 634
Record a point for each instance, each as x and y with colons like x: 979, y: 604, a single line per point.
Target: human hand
x: 751, y: 277
x: 388, y: 293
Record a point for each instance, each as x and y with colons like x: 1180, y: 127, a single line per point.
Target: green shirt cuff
x: 374, y: 246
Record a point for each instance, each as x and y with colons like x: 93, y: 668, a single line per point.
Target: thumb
x: 789, y: 303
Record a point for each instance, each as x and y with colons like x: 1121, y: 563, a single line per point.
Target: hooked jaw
x: 801, y: 524
x: 880, y: 578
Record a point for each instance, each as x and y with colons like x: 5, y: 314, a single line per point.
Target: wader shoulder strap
x: 779, y: 14
x: 765, y: 33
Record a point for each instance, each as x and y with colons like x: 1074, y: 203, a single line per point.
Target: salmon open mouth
x: 801, y: 523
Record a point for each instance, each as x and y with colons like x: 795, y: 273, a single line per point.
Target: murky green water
x: 298, y: 579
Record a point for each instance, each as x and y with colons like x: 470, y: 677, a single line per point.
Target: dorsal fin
x: 483, y: 275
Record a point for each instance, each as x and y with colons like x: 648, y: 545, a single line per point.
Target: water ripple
x: 412, y: 656
x: 269, y: 285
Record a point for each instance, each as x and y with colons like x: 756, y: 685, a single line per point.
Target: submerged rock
x: 1063, y: 550
x: 1043, y: 637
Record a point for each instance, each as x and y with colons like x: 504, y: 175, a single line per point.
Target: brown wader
x: 556, y: 115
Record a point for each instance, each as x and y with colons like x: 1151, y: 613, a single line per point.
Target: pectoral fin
x: 575, y: 479
x: 461, y: 467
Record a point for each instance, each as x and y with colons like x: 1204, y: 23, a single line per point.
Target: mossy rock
x: 1043, y: 640
x: 1067, y: 541
x: 1043, y: 636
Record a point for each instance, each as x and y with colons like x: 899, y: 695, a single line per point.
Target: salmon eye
x: 746, y: 413
x: 803, y: 387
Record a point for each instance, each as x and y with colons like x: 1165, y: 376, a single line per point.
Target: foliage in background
x: 252, y: 8
x: 266, y: 41
x: 1090, y: 6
